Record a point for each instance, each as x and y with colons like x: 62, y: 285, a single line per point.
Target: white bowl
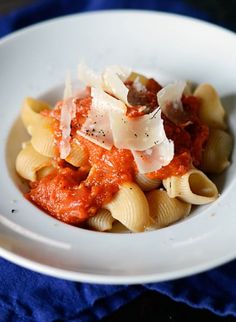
x: 33, y: 63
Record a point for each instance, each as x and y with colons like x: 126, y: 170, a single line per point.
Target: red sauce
x: 71, y: 196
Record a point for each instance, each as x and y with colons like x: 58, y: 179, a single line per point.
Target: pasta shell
x: 130, y: 207
x: 211, y: 111
x: 165, y: 210
x: 30, y: 112
x: 145, y: 183
x: 44, y: 172
x: 193, y: 187
x: 102, y: 221
x: 29, y: 161
x: 215, y: 157
x: 77, y: 156
x: 43, y: 138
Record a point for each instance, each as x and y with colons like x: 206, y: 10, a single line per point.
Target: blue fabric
x: 29, y: 296
x: 46, y: 9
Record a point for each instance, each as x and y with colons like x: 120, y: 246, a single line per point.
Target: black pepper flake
x: 135, y: 134
x: 13, y: 211
x: 131, y: 188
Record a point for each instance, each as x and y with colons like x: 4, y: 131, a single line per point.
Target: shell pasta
x: 29, y: 162
x: 126, y: 150
x: 215, y: 157
x: 102, y: 221
x: 165, y: 210
x: 30, y: 112
x: 193, y: 187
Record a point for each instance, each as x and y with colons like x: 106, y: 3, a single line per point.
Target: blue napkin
x: 29, y: 296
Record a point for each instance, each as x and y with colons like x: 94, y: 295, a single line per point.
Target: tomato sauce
x: 73, y: 195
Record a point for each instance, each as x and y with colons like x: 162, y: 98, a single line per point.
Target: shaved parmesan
x: 113, y: 78
x: 68, y: 112
x: 169, y: 100
x: 104, y: 101
x: 88, y: 76
x: 107, y: 124
x: 97, y: 128
x: 140, y: 133
x: 68, y: 87
x: 155, y: 158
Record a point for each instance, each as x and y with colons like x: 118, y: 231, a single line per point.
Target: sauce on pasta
x: 73, y: 195
x: 124, y: 149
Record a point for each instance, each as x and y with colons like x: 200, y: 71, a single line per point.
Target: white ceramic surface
x: 33, y: 63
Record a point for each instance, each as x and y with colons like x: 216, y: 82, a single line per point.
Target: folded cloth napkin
x: 29, y: 296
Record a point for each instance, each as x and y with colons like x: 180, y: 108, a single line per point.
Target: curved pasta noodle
x: 43, y: 138
x: 44, y: 172
x: 145, y: 183
x: 215, y: 157
x: 30, y: 113
x: 193, y: 187
x: 29, y: 162
x: 130, y: 207
x: 102, y: 221
x: 211, y: 111
x: 77, y: 156
x: 165, y: 210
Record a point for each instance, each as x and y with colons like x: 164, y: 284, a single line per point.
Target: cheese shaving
x: 169, y: 100
x: 155, y: 158
x: 97, y: 127
x: 107, y: 124
x: 113, y: 78
x: 88, y: 76
x: 68, y: 87
x: 68, y: 112
x: 139, y: 133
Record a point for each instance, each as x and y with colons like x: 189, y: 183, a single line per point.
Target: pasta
x: 130, y: 207
x: 44, y: 172
x: 193, y: 187
x: 102, y: 221
x: 145, y: 183
x: 77, y: 156
x: 211, y: 110
x: 43, y: 141
x: 30, y: 113
x: 29, y: 162
x: 215, y: 157
x: 165, y: 210
x: 127, y: 152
